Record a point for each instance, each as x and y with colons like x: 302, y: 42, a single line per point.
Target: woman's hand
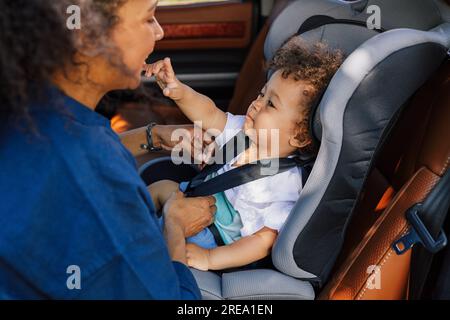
x: 197, y: 257
x: 166, y: 79
x: 188, y: 137
x: 191, y: 214
x: 184, y: 217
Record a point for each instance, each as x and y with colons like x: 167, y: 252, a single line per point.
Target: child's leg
x: 161, y: 191
x: 204, y: 239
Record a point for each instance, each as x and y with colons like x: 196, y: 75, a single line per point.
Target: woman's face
x: 135, y: 36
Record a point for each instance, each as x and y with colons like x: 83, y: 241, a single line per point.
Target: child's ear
x: 295, y: 142
x: 299, y: 139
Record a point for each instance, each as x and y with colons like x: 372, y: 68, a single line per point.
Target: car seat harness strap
x: 201, y: 186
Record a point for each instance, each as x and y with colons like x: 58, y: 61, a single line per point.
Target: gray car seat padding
x: 444, y: 31
x: 252, y: 284
x: 414, y: 14
x: 363, y: 97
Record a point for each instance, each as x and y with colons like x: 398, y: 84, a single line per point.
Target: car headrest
x: 314, y: 122
x: 414, y: 14
x: 342, y: 25
x: 356, y: 113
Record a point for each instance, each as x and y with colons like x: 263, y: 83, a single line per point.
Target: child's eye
x: 261, y: 94
x: 270, y: 104
x: 151, y: 21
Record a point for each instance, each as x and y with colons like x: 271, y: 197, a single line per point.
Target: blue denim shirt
x: 70, y: 195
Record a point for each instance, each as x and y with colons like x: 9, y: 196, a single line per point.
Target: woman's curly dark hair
x: 314, y: 64
x: 35, y: 42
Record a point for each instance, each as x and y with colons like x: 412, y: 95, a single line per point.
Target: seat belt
x: 426, y: 220
x: 198, y: 187
x: 239, y: 176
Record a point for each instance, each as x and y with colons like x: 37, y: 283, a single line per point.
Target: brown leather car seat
x: 413, y: 159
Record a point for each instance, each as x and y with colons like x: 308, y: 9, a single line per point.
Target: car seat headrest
x: 344, y: 26
x: 315, y: 126
x: 318, y: 21
x: 345, y: 33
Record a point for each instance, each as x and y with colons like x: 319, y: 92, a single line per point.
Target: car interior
x: 379, y: 184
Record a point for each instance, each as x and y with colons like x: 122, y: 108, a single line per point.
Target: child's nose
x: 257, y: 105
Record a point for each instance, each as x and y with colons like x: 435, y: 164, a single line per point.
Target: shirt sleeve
x: 272, y: 215
x: 233, y: 126
x: 137, y: 275
x: 276, y: 214
x: 87, y: 228
x: 115, y: 237
x: 188, y: 285
x: 136, y: 262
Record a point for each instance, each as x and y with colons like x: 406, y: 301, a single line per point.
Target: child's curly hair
x: 312, y: 63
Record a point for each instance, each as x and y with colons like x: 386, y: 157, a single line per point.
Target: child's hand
x: 197, y: 257
x: 165, y: 78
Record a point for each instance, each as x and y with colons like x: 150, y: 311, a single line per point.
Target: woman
x: 77, y: 221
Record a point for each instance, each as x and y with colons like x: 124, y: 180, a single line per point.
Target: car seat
x: 412, y: 161
x: 355, y: 116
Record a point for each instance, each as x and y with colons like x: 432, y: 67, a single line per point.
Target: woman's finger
x: 165, y: 147
x: 147, y: 68
x: 211, y: 201
x: 156, y: 67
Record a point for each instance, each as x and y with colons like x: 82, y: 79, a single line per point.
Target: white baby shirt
x: 265, y: 202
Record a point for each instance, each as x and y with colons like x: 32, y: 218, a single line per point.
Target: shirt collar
x: 75, y: 110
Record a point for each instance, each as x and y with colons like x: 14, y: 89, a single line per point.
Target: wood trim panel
x: 227, y: 25
x: 204, y: 30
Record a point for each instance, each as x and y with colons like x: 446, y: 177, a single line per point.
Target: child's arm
x: 161, y: 191
x: 194, y: 105
x: 240, y: 253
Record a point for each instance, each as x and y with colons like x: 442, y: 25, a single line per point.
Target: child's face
x: 279, y: 106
